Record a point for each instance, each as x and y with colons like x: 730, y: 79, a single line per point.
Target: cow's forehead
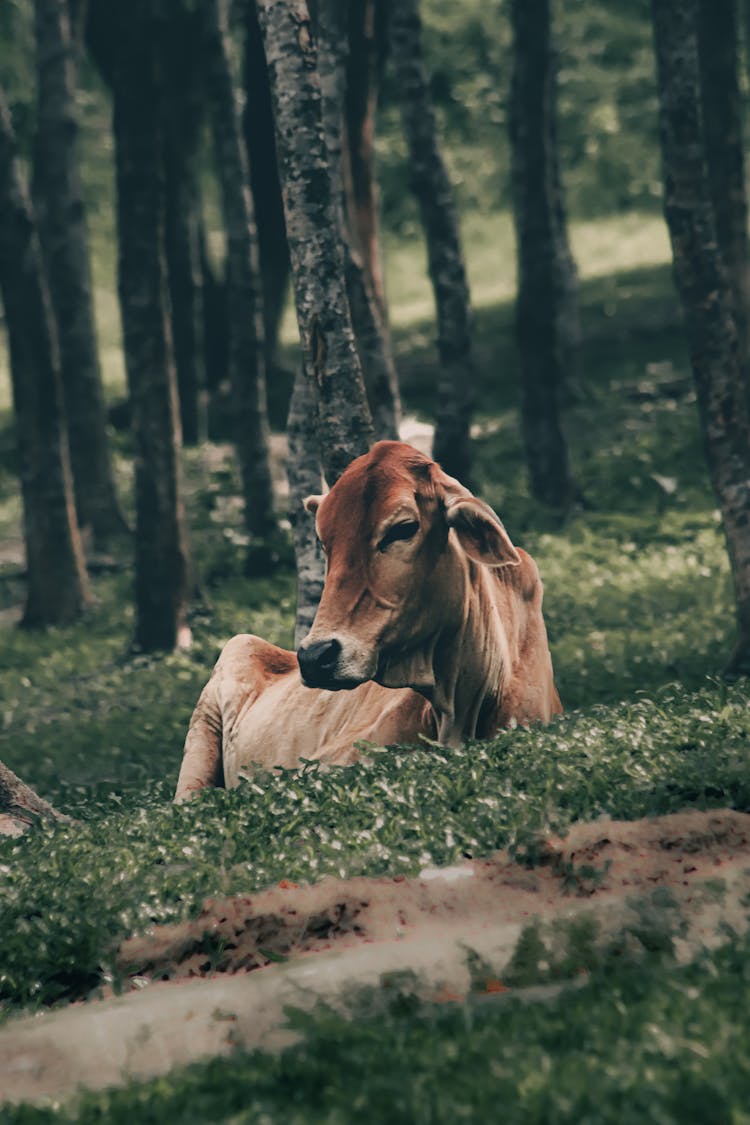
x: 371, y: 488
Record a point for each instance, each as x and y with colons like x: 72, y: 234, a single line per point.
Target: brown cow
x: 430, y: 619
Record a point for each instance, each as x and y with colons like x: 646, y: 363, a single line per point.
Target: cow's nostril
x: 318, y: 658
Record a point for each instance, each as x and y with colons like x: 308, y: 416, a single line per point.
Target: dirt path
x: 678, y: 879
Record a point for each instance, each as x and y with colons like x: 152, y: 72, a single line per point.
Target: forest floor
x: 650, y: 954
x: 606, y: 892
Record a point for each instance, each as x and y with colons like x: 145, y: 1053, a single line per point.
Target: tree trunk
x: 20, y: 806
x: 161, y: 560
x: 61, y: 214
x: 184, y: 105
x: 373, y: 344
x: 330, y: 355
x: 569, y: 312
x: 246, y: 360
x: 542, y: 260
x: 704, y: 292
x: 722, y: 119
x: 303, y: 473
x: 57, y: 582
x: 260, y: 142
x: 432, y: 188
x: 360, y: 185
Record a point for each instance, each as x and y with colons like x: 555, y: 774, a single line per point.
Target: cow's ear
x: 480, y: 532
x: 311, y: 504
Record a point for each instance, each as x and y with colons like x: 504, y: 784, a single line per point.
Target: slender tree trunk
x: 704, y: 292
x: 722, y: 118
x: 373, y: 344
x: 360, y: 185
x: 61, y: 214
x: 542, y: 261
x: 246, y: 360
x: 432, y: 188
x: 161, y: 560
x: 57, y: 583
x: 303, y: 473
x: 20, y: 806
x: 215, y: 321
x: 260, y: 142
x: 184, y: 106
x: 569, y: 312
x: 330, y: 354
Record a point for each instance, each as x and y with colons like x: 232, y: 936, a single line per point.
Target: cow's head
x: 394, y: 571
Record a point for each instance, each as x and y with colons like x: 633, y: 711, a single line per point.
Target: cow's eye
x: 398, y: 531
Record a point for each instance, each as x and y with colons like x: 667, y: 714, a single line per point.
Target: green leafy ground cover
x: 638, y: 605
x: 639, y: 1045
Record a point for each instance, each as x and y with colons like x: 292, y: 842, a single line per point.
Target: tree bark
x: 330, y: 355
x: 260, y: 142
x: 542, y: 258
x: 183, y: 118
x: 373, y: 343
x: 62, y: 226
x: 721, y: 103
x: 432, y: 188
x: 704, y: 292
x: 57, y: 583
x: 303, y: 474
x: 360, y: 185
x: 20, y: 806
x: 161, y: 558
x: 246, y: 360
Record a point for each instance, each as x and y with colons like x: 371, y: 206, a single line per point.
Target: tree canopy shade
x: 57, y: 583
x: 330, y: 355
x: 704, y: 292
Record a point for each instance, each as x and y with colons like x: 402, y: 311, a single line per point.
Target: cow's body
x: 430, y: 620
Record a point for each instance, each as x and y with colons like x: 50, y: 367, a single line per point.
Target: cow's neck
x: 471, y: 661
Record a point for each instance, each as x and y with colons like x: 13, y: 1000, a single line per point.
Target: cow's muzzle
x: 318, y: 665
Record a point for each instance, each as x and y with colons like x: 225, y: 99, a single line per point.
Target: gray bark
x: 373, y: 343
x: 704, y: 292
x: 161, y: 554
x: 60, y: 211
x: 246, y: 358
x: 434, y: 193
x: 722, y: 118
x: 57, y: 583
x: 303, y: 473
x: 330, y: 354
x: 543, y: 256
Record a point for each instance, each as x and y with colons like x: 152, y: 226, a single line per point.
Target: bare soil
x: 601, y: 861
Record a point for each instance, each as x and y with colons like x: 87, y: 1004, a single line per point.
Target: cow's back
x: 271, y: 719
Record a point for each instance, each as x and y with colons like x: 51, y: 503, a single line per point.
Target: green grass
x: 635, y: 1046
x: 64, y: 911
